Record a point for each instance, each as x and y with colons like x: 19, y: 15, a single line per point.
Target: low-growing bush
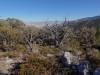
x: 34, y: 65
x: 44, y: 50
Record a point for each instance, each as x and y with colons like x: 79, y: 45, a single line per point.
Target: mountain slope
x: 87, y: 22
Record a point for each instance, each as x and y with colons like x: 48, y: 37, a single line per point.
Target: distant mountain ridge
x: 88, y: 21
x: 89, y: 18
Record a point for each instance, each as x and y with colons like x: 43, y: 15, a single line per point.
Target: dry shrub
x: 34, y: 65
x: 44, y: 50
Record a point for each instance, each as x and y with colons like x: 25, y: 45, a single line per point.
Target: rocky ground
x: 7, y: 64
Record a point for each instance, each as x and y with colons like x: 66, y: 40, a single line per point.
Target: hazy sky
x: 41, y: 10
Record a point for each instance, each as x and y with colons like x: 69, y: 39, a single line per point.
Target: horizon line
x: 48, y: 19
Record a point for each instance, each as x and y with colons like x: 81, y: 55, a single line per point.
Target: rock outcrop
x: 70, y: 58
x: 7, y: 64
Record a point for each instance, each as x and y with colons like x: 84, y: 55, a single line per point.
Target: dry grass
x: 11, y: 54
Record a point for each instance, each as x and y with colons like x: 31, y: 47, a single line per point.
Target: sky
x: 42, y: 10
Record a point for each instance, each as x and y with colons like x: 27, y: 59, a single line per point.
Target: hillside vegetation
x: 40, y: 47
